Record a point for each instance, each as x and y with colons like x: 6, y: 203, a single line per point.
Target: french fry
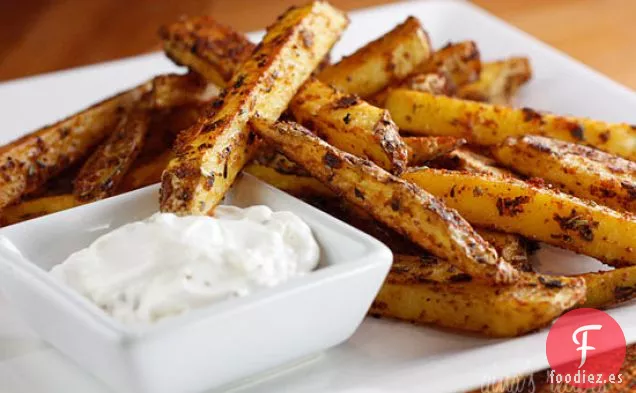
x: 609, y: 288
x: 105, y: 168
x: 29, y: 162
x: 486, y: 124
x: 428, y: 290
x: 351, y: 124
x: 422, y: 149
x: 343, y: 120
x: 498, y: 81
x: 510, y: 205
x: 221, y: 144
x: 405, y: 208
x: 459, y: 62
x: 382, y: 62
x: 582, y: 171
x: 36, y: 207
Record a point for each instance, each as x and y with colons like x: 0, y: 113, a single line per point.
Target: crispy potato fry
x: 435, y: 83
x: 206, y: 46
x: 220, y: 145
x: 37, y: 207
x: 172, y: 90
x: 430, y: 290
x: 582, y: 171
x: 382, y: 62
x: 487, y: 124
x: 609, y: 288
x: 499, y: 81
x: 147, y: 173
x: 105, y: 168
x: 29, y: 162
x: 296, y: 185
x: 460, y: 62
x: 538, y: 213
x: 511, y: 247
x: 392, y: 201
x: 425, y: 148
x: 350, y: 124
x: 343, y: 120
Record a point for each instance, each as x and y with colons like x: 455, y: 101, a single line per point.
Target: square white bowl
x: 203, y: 348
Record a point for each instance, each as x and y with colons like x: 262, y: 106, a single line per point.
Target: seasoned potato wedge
x: 351, y: 124
x: 511, y: 247
x: 538, y: 213
x: 382, y: 62
x: 460, y: 62
x: 29, y: 162
x: 428, y: 290
x: 343, y: 120
x: 105, y: 168
x: 422, y: 149
x: 210, y: 48
x: 486, y: 124
x: 392, y: 201
x: 219, y: 145
x: 498, y: 81
x: 609, y: 288
x: 582, y: 171
x: 294, y: 184
x: 36, y: 207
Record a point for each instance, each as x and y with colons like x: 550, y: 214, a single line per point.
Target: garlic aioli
x: 166, y: 265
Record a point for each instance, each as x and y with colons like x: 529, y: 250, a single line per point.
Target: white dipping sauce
x: 166, y: 264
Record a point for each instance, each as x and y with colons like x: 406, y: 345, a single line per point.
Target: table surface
x: 44, y: 35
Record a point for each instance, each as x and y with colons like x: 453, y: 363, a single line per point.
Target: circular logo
x: 585, y: 348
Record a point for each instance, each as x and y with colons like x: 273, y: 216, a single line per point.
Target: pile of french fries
x: 421, y: 148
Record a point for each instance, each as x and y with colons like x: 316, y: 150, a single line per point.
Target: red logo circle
x: 585, y: 348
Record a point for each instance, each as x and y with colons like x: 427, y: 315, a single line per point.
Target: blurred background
x: 39, y: 36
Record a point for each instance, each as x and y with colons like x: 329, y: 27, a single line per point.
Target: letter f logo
x: 583, y: 344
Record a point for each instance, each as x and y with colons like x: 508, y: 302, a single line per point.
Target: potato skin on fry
x: 609, y: 288
x: 392, y: 201
x: 106, y: 167
x: 27, y: 163
x: 217, y: 148
x: 382, y: 62
x: 485, y: 124
x: 536, y: 212
x: 582, y: 171
x: 344, y: 120
x: 429, y: 290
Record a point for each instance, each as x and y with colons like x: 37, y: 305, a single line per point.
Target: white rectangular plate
x: 383, y: 356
